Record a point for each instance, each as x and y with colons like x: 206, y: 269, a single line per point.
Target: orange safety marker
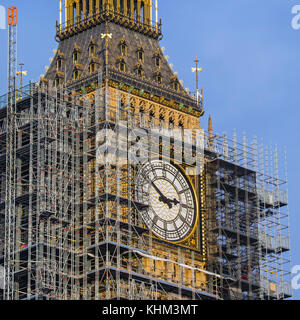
x: 12, y: 16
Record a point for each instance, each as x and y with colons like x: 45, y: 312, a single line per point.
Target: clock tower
x: 116, y: 193
x: 145, y: 197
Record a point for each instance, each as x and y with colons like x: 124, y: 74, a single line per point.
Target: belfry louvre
x: 99, y: 196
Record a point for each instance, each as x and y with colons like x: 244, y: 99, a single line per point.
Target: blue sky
x: 250, y: 56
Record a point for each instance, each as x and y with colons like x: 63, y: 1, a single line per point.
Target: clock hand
x: 175, y: 201
x: 170, y: 201
x: 162, y: 198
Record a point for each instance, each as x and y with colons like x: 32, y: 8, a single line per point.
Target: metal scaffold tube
x: 10, y: 205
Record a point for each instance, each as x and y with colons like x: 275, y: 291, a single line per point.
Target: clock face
x: 172, y: 212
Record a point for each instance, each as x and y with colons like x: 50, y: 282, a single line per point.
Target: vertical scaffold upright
x: 10, y: 226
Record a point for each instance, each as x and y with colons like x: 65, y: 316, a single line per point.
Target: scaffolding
x: 78, y: 231
x: 73, y: 228
x: 71, y: 208
x: 248, y: 238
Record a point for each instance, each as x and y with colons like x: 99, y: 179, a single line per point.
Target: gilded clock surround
x: 193, y: 193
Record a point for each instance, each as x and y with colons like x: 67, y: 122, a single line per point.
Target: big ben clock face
x: 172, y: 209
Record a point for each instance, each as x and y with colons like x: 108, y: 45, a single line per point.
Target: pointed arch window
x: 135, y: 10
x: 115, y: 4
x: 176, y: 86
x: 158, y: 78
x: 123, y: 47
x: 122, y: 6
x: 80, y: 10
x: 175, y: 83
x: 100, y: 5
x: 142, y: 12
x: 59, y: 64
x: 74, y: 13
x: 92, y: 67
x: 123, y: 50
x: 94, y: 7
x: 75, y: 57
x: 92, y: 50
x: 57, y: 82
x: 75, y: 74
x: 87, y: 8
x: 122, y: 66
x: 157, y: 60
x: 140, y: 54
x: 128, y: 8
x: 76, y: 52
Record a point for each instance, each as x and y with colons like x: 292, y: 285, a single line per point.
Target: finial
x: 156, y: 14
x: 106, y: 36
x: 197, y: 70
x: 210, y: 128
x: 21, y: 73
x: 210, y: 133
